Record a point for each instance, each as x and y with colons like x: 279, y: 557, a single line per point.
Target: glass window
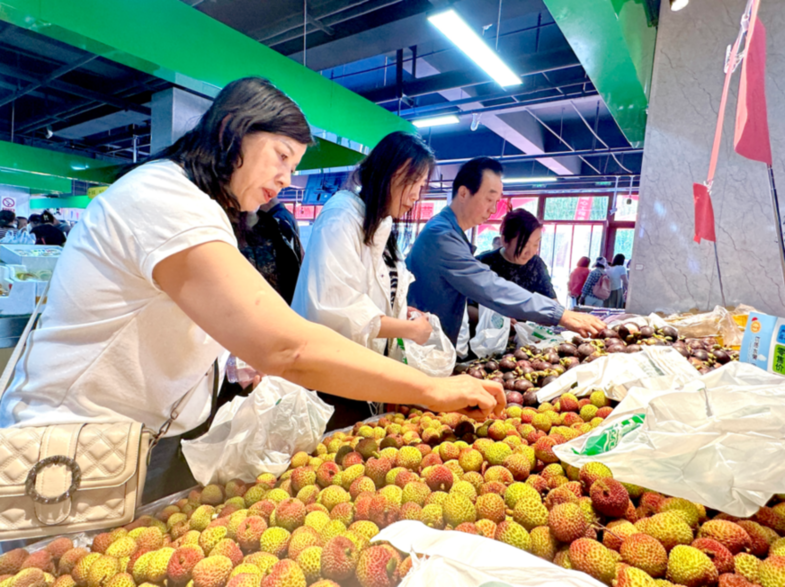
x: 485, y: 235
x: 576, y: 208
x: 623, y: 242
x: 627, y: 207
x: 528, y: 204
x: 562, y: 246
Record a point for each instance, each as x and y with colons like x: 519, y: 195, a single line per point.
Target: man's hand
x: 584, y: 324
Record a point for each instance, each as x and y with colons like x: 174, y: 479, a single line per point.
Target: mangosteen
x: 682, y: 350
x: 492, y: 365
x: 586, y: 349
x: 509, y: 375
x: 524, y: 364
x: 559, y: 369
x: 552, y: 357
x: 522, y: 385
x: 577, y: 341
x: 497, y: 379
x: 615, y: 348
x: 530, y: 398
x: 669, y: 332
x: 695, y: 343
x: 474, y: 373
x: 507, y: 364
x: 633, y: 348
x: 700, y: 354
x: 566, y: 349
x: 514, y: 397
x: 570, y: 362
x: 697, y: 363
x: 540, y: 365
x: 521, y: 355
x: 547, y: 380
x: 704, y: 370
x: 509, y: 384
x: 647, y: 332
x: 608, y: 333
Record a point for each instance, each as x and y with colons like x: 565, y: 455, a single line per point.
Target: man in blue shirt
x: 447, y: 273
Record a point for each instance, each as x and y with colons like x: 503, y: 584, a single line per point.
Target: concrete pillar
x: 669, y: 272
x: 175, y: 112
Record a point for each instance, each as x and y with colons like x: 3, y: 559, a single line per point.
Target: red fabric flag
x: 752, y: 119
x: 704, y: 214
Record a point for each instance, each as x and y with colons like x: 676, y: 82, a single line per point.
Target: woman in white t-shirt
x: 151, y: 288
x: 618, y: 276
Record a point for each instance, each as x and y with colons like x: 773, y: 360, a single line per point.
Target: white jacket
x: 345, y: 284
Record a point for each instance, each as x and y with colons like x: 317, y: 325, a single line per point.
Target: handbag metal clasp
x: 76, y: 478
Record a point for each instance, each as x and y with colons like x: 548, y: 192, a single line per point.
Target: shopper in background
x: 594, y: 281
x: 446, y: 272
x: 517, y: 259
x: 618, y: 276
x: 353, y: 279
x: 497, y: 242
x: 7, y: 222
x: 21, y: 223
x: 151, y: 289
x: 270, y: 240
x: 45, y: 233
x: 578, y: 279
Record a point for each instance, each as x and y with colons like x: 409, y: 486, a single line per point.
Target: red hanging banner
x: 752, y: 118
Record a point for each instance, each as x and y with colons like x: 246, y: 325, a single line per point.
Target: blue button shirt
x: 447, y: 273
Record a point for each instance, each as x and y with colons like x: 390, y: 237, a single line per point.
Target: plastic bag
x: 528, y: 333
x: 465, y: 560
x: 700, y: 442
x: 462, y: 347
x: 655, y: 367
x: 493, y: 334
x: 436, y: 357
x: 259, y: 433
x: 719, y: 322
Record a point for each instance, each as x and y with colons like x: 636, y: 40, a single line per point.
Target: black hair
x: 398, y: 155
x: 618, y: 260
x: 47, y: 217
x: 519, y: 223
x: 470, y: 174
x: 34, y: 219
x: 212, y: 150
x: 6, y: 218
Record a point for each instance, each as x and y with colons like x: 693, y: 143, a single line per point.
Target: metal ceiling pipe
x: 556, y: 155
x: 60, y: 71
x: 296, y: 22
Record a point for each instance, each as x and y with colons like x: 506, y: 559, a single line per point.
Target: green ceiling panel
x: 66, y: 202
x: 171, y: 40
x: 615, y: 41
x: 35, y: 181
x: 325, y: 154
x: 14, y: 157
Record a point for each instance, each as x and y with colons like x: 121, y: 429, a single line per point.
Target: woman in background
x: 618, y: 276
x: 578, y: 279
x: 587, y: 294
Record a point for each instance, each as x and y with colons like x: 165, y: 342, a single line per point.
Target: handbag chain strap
x: 10, y: 367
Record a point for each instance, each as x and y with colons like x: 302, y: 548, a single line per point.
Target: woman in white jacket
x: 354, y: 279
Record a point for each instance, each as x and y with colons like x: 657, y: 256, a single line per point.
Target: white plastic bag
x: 462, y: 346
x: 259, y: 433
x: 717, y: 441
x: 436, y: 357
x: 655, y: 367
x: 493, y: 334
x: 465, y: 560
x: 529, y: 333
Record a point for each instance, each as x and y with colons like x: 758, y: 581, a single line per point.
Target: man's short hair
x: 470, y: 174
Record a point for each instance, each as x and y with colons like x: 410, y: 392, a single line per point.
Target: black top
x: 533, y: 276
x: 46, y: 234
x: 273, y: 247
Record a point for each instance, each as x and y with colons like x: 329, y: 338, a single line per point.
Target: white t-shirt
x: 111, y: 345
x: 616, y: 273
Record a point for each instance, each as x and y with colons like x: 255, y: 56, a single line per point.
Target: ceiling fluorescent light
x: 436, y: 121
x: 549, y: 179
x: 455, y: 29
x: 677, y: 5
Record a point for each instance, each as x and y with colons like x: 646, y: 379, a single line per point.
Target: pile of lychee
x: 525, y: 370
x: 500, y: 480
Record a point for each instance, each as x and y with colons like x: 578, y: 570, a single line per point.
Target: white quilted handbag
x: 68, y: 478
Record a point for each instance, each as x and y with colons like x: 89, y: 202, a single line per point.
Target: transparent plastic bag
x: 465, y: 560
x: 493, y: 334
x: 719, y: 323
x: 437, y: 356
x: 529, y: 333
x: 462, y: 347
x: 259, y: 433
x: 655, y: 367
x: 699, y: 442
